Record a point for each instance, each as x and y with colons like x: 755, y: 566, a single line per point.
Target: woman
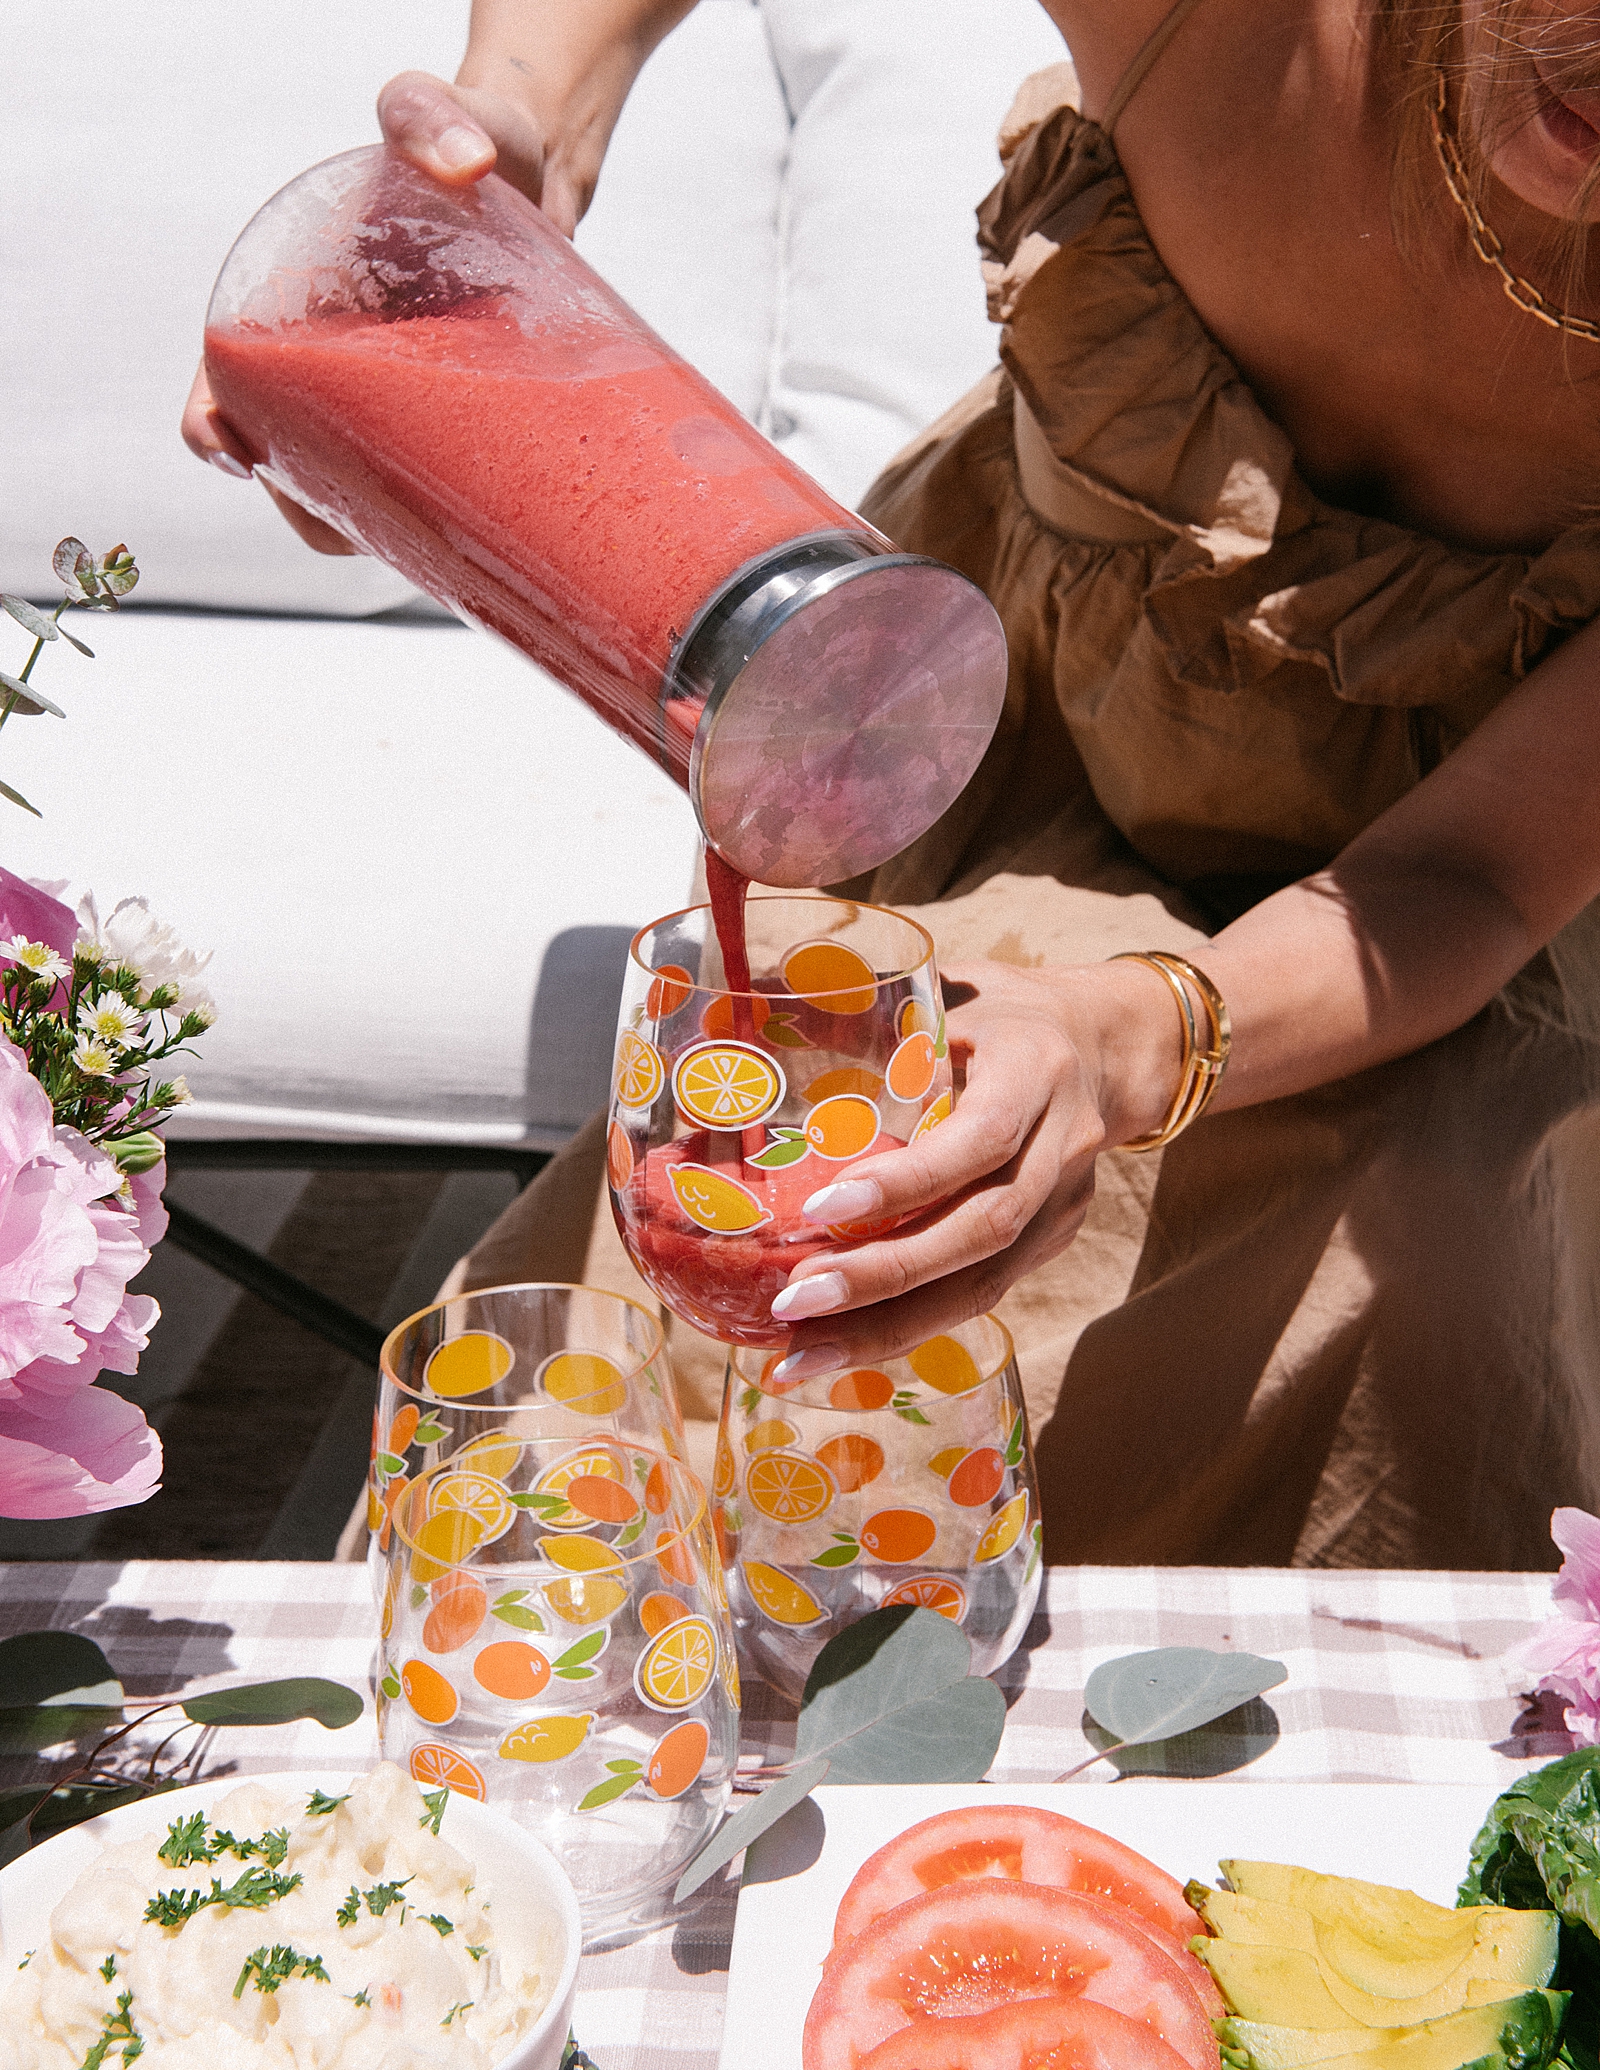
x: 1283, y: 492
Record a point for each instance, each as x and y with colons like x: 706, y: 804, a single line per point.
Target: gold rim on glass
x: 857, y: 905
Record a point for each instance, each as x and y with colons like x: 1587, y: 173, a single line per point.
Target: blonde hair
x: 1423, y: 41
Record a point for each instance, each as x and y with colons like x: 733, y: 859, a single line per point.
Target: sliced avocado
x: 1256, y: 1922
x: 1512, y: 1952
x: 1397, y: 1923
x: 1517, y: 2034
x: 1254, y: 2045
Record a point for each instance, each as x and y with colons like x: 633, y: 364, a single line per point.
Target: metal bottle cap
x: 847, y: 694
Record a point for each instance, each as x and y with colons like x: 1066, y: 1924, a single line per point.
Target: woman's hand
x: 1059, y: 1065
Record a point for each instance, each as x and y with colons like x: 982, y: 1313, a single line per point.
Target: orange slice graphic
x: 713, y: 1202
x: 619, y: 1157
x: 726, y: 1085
x: 675, y: 1669
x: 842, y: 1127
x: 476, y: 1496
x: 929, y: 1592
x: 788, y: 1487
x: 848, y: 1078
x: 853, y: 1459
x: 640, y: 1073
x: 911, y: 1068
x: 829, y: 975
x: 722, y: 1479
x: 435, y: 1767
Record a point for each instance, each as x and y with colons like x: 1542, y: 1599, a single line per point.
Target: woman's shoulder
x: 1105, y: 37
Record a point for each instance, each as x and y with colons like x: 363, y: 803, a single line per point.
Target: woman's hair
x: 1488, y: 99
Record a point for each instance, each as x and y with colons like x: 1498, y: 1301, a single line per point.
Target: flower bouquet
x: 90, y: 1012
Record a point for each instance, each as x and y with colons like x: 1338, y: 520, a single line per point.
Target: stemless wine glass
x: 912, y: 1483
x: 556, y: 1643
x: 730, y: 1108
x: 513, y: 1362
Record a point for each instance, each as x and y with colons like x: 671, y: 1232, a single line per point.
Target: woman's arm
x: 536, y: 99
x: 1403, y: 938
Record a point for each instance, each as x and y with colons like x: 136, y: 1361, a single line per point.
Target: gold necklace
x: 1484, y: 241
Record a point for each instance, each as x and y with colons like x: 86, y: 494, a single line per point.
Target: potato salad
x: 329, y: 1933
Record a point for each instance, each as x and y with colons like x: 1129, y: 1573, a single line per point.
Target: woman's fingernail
x: 818, y: 1295
x: 809, y: 1364
x: 847, y: 1200
x: 229, y: 465
x: 459, y: 146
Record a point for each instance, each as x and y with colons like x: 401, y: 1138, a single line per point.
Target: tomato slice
x: 1018, y: 1844
x: 984, y: 1942
x: 1037, y: 2034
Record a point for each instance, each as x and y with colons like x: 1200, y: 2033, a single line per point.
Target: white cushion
x: 394, y: 836
x: 896, y: 104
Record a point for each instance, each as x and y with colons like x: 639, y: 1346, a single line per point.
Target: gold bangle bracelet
x: 1203, y: 1065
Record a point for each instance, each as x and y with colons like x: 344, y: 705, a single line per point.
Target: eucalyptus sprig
x: 59, y: 1686
x: 92, y: 584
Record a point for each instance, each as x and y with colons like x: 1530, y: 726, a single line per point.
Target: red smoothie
x: 572, y: 491
x: 724, y: 1284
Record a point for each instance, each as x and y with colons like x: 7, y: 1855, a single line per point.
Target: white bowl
x: 506, y: 1858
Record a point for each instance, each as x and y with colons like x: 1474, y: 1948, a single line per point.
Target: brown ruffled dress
x: 1356, y: 1327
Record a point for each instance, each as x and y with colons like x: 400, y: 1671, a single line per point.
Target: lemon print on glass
x: 474, y: 1495
x: 939, y: 1111
x: 582, y: 1466
x: 726, y: 1085
x: 468, y: 1364
x: 945, y: 1365
x: 546, y: 1739
x: 714, y: 1202
x: 829, y: 975
x: 779, y: 1596
x: 675, y: 1669
x: 788, y: 1487
x: 584, y: 1381
x: 1004, y: 1530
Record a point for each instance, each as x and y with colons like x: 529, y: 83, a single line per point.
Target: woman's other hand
x: 1058, y: 1065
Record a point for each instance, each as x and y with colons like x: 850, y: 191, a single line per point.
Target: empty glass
x: 910, y: 1483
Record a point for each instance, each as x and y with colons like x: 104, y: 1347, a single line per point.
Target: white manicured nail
x: 810, y: 1364
x: 818, y: 1295
x: 459, y: 146
x: 229, y: 465
x: 847, y: 1200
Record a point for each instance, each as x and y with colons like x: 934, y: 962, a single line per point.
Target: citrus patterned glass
x: 519, y: 1361
x: 910, y: 1484
x: 729, y: 1109
x: 556, y: 1643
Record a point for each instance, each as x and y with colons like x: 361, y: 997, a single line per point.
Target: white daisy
x: 38, y: 959
x: 111, y: 1018
x: 93, y: 1058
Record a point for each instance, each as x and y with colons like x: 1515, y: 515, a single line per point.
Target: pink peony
x: 69, y: 1244
x: 29, y: 909
x: 1565, y: 1654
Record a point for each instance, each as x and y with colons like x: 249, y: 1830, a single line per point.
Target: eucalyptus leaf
x: 29, y: 701
x: 277, y: 1703
x: 55, y: 1667
x: 26, y: 1729
x: 17, y: 798
x: 70, y: 555
x: 30, y: 618
x: 72, y: 640
x: 892, y: 1698
x: 1149, y: 1696
x: 751, y: 1823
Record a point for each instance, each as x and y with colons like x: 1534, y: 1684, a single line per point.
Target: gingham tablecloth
x: 1391, y: 1677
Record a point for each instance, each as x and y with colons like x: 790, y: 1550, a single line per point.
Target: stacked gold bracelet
x: 1203, y: 1063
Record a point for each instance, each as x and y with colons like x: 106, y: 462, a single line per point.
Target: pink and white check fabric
x: 1392, y: 1677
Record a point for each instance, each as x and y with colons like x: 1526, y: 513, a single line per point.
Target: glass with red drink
x: 731, y: 1108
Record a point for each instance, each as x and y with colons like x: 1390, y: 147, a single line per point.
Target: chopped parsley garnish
x: 461, y: 2006
x: 361, y: 1998
x: 350, y: 1910
x: 477, y: 1954
x: 186, y: 1843
x: 108, y: 1968
x: 436, y: 1801
x: 255, y: 1888
x: 382, y: 1895
x: 118, y: 2027
x: 276, y: 1965
x: 440, y: 1924
x: 317, y: 1804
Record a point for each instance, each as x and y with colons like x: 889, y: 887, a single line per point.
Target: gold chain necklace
x: 1484, y: 241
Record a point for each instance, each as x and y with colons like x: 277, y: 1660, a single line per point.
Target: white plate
x: 507, y: 1859
x: 1414, y: 1834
